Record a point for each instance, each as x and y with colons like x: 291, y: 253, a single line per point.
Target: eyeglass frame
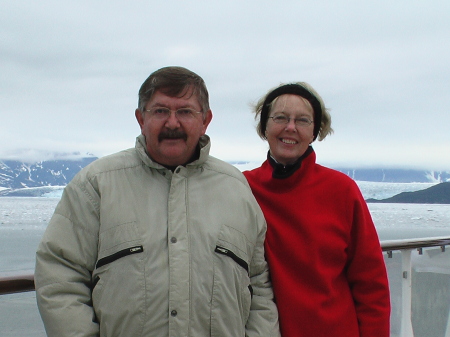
x: 283, y: 119
x: 167, y: 115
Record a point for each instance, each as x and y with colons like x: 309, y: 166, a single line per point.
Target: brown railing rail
x: 20, y: 283
x: 16, y: 284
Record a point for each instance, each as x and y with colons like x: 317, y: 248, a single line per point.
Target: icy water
x: 23, y: 221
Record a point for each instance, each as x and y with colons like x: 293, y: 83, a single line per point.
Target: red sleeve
x: 366, y: 273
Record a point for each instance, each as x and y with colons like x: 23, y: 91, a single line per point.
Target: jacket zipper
x: 229, y: 253
x: 118, y: 255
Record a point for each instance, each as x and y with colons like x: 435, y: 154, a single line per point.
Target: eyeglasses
x: 282, y: 119
x: 182, y: 114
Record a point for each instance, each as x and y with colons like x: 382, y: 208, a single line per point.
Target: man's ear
x: 206, y: 120
x: 139, y: 117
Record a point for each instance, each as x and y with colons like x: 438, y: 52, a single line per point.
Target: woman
x: 326, y: 263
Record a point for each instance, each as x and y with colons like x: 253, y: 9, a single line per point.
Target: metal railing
x: 391, y: 245
x: 17, y: 283
x: 406, y: 248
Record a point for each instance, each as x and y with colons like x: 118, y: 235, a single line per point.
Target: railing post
x: 406, y: 329
x: 447, y: 330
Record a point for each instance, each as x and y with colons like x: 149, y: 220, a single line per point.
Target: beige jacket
x: 134, y: 249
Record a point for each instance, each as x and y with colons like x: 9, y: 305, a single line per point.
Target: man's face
x: 171, y: 142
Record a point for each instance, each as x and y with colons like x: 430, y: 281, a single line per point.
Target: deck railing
x: 409, y: 250
x: 406, y: 247
x: 16, y: 284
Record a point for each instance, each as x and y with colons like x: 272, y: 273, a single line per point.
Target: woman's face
x: 288, y: 142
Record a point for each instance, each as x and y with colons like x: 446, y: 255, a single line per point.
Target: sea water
x: 23, y: 222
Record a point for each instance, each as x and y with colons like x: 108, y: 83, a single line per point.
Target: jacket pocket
x: 231, y: 300
x: 122, y: 253
x: 118, y: 295
x: 233, y: 256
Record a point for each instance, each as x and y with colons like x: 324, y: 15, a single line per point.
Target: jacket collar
x: 281, y: 171
x: 204, y: 145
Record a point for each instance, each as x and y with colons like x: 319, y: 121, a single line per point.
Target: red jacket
x: 326, y: 264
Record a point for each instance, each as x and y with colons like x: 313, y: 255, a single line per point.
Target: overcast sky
x: 71, y: 70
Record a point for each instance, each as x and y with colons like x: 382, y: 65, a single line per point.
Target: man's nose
x: 172, y: 121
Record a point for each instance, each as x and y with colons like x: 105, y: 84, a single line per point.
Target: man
x: 159, y: 240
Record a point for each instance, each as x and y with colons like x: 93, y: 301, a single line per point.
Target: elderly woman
x: 326, y: 263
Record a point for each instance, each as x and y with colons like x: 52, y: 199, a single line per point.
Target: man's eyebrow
x: 187, y: 105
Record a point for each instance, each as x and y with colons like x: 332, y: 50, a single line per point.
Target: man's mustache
x: 172, y: 134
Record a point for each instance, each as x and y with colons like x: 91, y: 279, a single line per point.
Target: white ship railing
x: 424, y: 255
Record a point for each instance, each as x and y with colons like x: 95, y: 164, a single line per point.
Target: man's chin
x: 173, y: 155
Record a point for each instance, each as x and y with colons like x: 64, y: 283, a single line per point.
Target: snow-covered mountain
x: 396, y: 175
x: 48, y: 177
x: 436, y: 194
x: 16, y: 174
x: 379, y: 174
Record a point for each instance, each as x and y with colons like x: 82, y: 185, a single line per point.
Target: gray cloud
x: 71, y: 72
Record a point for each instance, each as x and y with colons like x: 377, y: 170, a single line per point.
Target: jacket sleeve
x: 263, y: 318
x: 64, y: 262
x: 366, y: 274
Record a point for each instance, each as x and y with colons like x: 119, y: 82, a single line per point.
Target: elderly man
x: 161, y: 239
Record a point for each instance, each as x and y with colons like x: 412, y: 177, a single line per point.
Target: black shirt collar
x: 281, y: 171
